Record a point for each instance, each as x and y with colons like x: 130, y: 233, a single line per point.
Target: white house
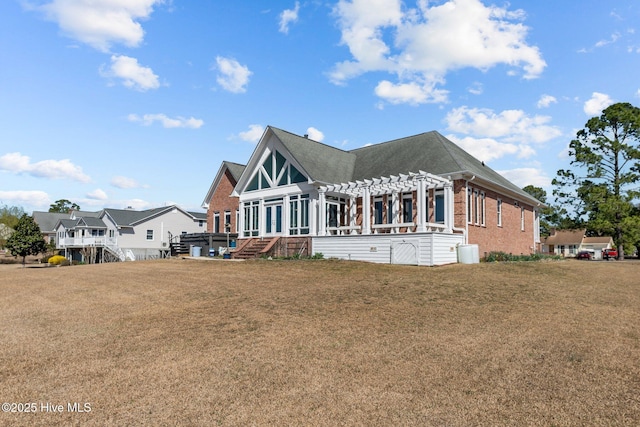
x: 125, y: 234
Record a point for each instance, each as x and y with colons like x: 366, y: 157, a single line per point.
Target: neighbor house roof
x: 430, y: 152
x: 597, y: 240
x: 47, y: 221
x: 566, y: 237
x: 130, y: 218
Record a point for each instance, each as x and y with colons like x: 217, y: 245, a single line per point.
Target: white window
x: 149, y: 234
x: 482, y: 208
x: 407, y: 207
x: 227, y: 221
x: 378, y: 210
x: 251, y: 218
x: 476, y: 207
x: 522, y: 219
x: 469, y: 205
x: 216, y: 222
x: 299, y: 214
x: 499, y: 209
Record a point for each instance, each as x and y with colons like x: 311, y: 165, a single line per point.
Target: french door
x: 273, y: 219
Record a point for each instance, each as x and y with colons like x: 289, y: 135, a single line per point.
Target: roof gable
x: 234, y: 169
x: 320, y: 162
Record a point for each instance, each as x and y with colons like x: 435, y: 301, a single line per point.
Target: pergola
x: 420, y: 182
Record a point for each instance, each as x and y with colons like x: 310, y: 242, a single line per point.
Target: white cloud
x: 546, y: 100
x: 232, y: 76
x: 287, y: 17
x: 134, y: 75
x: 30, y: 198
x: 526, y: 176
x: 101, y: 23
x: 597, y: 103
x: 124, y: 183
x: 167, y: 122
x: 511, y: 125
x: 315, y: 134
x: 51, y: 169
x: 476, y: 88
x: 97, y: 194
x: 485, y: 149
x: 613, y: 39
x: 413, y: 93
x: 420, y: 46
x: 253, y: 134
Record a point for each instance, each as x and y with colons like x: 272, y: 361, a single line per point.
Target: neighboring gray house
x: 47, y: 221
x: 124, y: 234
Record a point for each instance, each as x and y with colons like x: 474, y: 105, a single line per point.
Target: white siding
x: 433, y: 248
x: 169, y: 222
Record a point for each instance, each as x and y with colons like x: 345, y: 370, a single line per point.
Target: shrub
x: 58, y: 260
x: 503, y: 256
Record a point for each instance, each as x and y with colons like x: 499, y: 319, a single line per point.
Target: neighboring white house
x: 124, y: 234
x: 568, y: 243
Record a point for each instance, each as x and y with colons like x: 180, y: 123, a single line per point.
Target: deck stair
x: 179, y: 248
x: 254, y: 249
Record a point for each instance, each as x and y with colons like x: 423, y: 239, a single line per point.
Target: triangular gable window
x: 276, y: 171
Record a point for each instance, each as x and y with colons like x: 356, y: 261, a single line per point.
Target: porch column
x: 240, y: 224
x: 286, y: 216
x: 421, y: 205
x: 366, y: 210
x: 322, y: 212
x: 395, y: 203
x: 352, y: 213
x: 448, y: 207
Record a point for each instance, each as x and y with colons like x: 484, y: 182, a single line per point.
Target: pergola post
x: 366, y: 209
x: 448, y: 207
x: 421, y: 204
x: 322, y: 212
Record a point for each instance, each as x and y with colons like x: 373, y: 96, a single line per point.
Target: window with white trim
x: 299, y: 214
x: 469, y: 205
x: 251, y: 218
x: 149, y: 234
x: 378, y: 210
x: 522, y: 219
x: 499, y: 211
x: 407, y: 207
x: 275, y: 171
x: 476, y: 207
x: 483, y: 209
x: 216, y: 222
x: 439, y: 201
x: 227, y: 221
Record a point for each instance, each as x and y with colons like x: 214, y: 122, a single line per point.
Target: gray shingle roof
x: 430, y: 152
x: 48, y: 220
x: 236, y: 169
x: 322, y: 162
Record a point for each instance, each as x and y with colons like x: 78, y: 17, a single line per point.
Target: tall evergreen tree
x: 27, y: 239
x: 604, y: 184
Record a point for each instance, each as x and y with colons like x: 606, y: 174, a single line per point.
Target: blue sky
x: 116, y: 103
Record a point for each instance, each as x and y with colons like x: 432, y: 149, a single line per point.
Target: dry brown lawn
x: 182, y: 342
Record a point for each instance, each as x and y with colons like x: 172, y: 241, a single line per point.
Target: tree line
x: 600, y: 191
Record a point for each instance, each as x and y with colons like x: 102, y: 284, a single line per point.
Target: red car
x: 609, y: 253
x: 584, y: 255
